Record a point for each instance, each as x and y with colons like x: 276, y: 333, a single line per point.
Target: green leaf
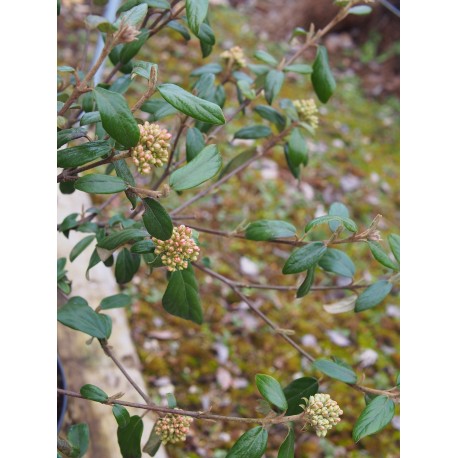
x: 122, y: 171
x: 181, y: 298
x: 82, y: 154
x: 206, y: 34
x: 269, y: 230
x: 119, y: 238
x: 252, y: 444
x: 195, y: 143
x: 90, y: 118
x: 180, y: 28
x: 67, y: 135
x: 159, y: 108
x: 76, y: 314
x: 380, y: 255
x: 323, y: 81
x: 202, y: 168
x: 153, y: 444
x: 297, y: 148
x: 129, y: 438
x: 115, y: 301
x: 337, y: 262
x: 373, y: 295
x: 294, y: 169
x: 286, y: 449
x: 191, y: 105
x: 347, y: 222
x: 130, y: 50
x: 209, y: 68
x: 99, y: 22
x: 303, y: 69
x: 78, y: 436
x: 257, y: 131
x: 161, y: 4
x: 142, y: 247
x: 360, y: 10
x: 303, y: 258
x: 395, y: 244
x: 271, y: 391
x: 337, y: 209
x: 121, y: 415
x: 95, y: 259
x: 116, y: 116
x: 134, y: 16
x: 303, y: 387
x: 127, y: 264
x: 69, y: 222
x: 94, y: 393
x: 80, y: 247
x: 171, y: 401
x: 271, y: 115
x: 196, y: 12
x: 335, y: 370
x: 306, y: 285
x: 67, y: 187
x: 100, y: 184
x: 143, y: 69
x: 273, y: 84
x: 374, y: 417
x: 265, y: 57
x: 156, y: 219
x: 237, y: 161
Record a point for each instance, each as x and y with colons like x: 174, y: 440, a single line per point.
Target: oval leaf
x: 203, y: 167
x: 191, y: 105
x: 271, y: 115
x: 142, y: 247
x: 195, y: 143
x: 82, y: 154
x: 303, y: 258
x: 253, y: 132
x: 303, y: 387
x: 116, y: 116
x: 286, y: 449
x: 265, y: 57
x: 129, y: 438
x: 252, y: 444
x: 304, y: 69
x: 115, y: 301
x: 373, y: 295
x: 78, y: 436
x: 306, y: 285
x: 271, y: 390
x: 67, y: 135
x: 374, y: 417
x: 121, y: 415
x: 337, y: 262
x: 94, y: 393
x: 269, y: 230
x: 100, y: 184
x: 323, y: 81
x: 156, y: 219
x: 273, y: 84
x: 80, y: 247
x: 196, y: 12
x: 127, y: 264
x: 380, y: 255
x: 395, y: 245
x: 347, y: 222
x: 335, y: 371
x: 119, y: 238
x: 297, y: 148
x: 337, y: 209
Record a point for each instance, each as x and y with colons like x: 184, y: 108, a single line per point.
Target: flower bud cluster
x: 322, y: 413
x: 234, y: 55
x: 173, y: 428
x: 307, y: 111
x: 152, y: 148
x: 178, y: 250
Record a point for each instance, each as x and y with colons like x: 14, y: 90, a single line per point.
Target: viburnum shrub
x: 106, y: 146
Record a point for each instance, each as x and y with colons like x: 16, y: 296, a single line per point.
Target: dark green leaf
x: 80, y: 247
x: 322, y: 78
x: 395, y: 244
x: 373, y: 295
x: 127, y: 264
x: 257, y: 131
x: 142, y: 246
x: 82, y: 154
x: 116, y: 116
x: 374, y: 417
x: 129, y: 437
x: 122, y: 171
x: 78, y: 436
x: 297, y: 148
x: 60, y: 267
x: 67, y: 135
x: 95, y: 259
x: 306, y: 285
x: 286, y: 449
x: 90, y: 118
x: 303, y: 387
x: 294, y: 169
x: 196, y: 12
x: 304, y: 69
x: 121, y: 84
x: 337, y: 209
x: 305, y: 257
x: 265, y: 57
x: 273, y: 84
x: 77, y: 314
x: 100, y: 184
x: 380, y: 255
x: 119, y: 238
x: 195, y: 143
x: 115, y: 301
x: 181, y: 297
x: 180, y: 28
x: 153, y: 444
x: 159, y: 108
x: 272, y: 115
x: 271, y: 391
x: 360, y: 10
x: 191, y: 105
x: 209, y: 68
x: 156, y: 219
x: 269, y: 230
x: 238, y: 160
x: 94, y: 393
x: 121, y: 415
x: 130, y: 50
x: 206, y: 34
x: 347, y: 222
x: 133, y: 16
x: 335, y: 370
x: 67, y: 187
x: 252, y: 444
x: 338, y: 262
x: 144, y: 69
x: 202, y: 168
x: 69, y: 222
